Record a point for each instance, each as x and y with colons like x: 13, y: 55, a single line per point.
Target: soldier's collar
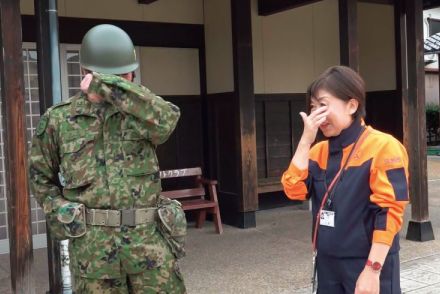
x: 82, y: 106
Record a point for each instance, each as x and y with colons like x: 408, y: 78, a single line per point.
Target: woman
x: 358, y: 183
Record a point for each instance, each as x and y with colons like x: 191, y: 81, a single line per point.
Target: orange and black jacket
x: 371, y: 195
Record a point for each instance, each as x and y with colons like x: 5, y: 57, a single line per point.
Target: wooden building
x: 238, y: 69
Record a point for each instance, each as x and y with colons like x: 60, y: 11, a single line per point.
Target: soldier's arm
x: 44, y: 166
x: 155, y: 118
x: 44, y: 182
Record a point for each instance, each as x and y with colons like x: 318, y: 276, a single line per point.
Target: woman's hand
x: 312, y: 123
x: 368, y: 282
x: 85, y: 84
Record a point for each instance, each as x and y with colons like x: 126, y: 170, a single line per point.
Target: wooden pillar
x: 420, y: 228
x: 12, y: 81
x: 348, y: 34
x: 436, y: 137
x: 206, y: 122
x: 245, y: 105
x: 438, y: 97
x: 401, y: 61
x: 49, y: 84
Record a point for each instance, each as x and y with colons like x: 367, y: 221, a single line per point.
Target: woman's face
x: 340, y: 112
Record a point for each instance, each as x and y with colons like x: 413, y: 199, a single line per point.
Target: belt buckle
x: 90, y: 216
x: 128, y: 217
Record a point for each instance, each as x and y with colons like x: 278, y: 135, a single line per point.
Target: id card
x: 327, y: 218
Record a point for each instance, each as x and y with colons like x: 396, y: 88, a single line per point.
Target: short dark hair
x: 343, y: 83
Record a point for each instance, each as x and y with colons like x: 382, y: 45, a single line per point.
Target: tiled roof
x: 432, y: 44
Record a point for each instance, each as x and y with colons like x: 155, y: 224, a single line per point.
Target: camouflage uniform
x: 106, y: 155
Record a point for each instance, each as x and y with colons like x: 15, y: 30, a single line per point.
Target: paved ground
x: 275, y: 257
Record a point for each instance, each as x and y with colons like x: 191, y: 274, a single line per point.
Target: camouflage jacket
x: 106, y: 155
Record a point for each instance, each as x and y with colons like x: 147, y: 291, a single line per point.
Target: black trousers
x: 339, y: 275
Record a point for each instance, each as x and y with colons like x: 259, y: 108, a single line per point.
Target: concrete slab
x: 5, y: 285
x: 421, y: 276
x: 434, y: 289
x: 408, y: 285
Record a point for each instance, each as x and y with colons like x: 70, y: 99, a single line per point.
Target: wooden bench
x: 194, y: 197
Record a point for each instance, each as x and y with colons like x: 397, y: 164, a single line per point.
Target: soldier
x: 94, y: 170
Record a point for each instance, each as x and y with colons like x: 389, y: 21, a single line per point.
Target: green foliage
x: 432, y: 116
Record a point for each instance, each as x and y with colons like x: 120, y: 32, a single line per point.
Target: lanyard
x: 361, y: 138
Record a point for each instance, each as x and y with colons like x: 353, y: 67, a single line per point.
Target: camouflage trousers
x: 164, y: 279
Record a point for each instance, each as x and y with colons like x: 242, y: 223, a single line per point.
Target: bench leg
x: 201, y: 217
x: 217, y: 220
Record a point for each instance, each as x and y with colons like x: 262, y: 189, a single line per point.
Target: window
x: 434, y: 26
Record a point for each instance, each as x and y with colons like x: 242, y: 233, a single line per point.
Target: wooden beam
x: 19, y: 212
x: 146, y: 1
x: 429, y: 4
x: 244, y: 92
x: 348, y: 34
x: 420, y: 227
x: 268, y: 7
x: 384, y: 2
x: 143, y: 33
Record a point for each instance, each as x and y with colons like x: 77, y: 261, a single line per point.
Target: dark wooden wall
x: 384, y: 112
x: 184, y: 148
x: 224, y: 160
x: 223, y: 141
x: 279, y: 129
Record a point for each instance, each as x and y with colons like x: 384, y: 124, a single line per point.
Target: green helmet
x: 108, y: 49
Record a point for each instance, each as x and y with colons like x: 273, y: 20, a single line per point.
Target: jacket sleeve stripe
x: 381, y: 219
x: 397, y: 178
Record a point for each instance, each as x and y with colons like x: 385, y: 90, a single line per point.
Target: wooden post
x: 438, y: 75
x: 348, y: 34
x: 436, y: 134
x: 245, y: 105
x: 19, y: 212
x: 206, y: 122
x: 420, y: 228
x: 49, y: 84
x: 401, y: 61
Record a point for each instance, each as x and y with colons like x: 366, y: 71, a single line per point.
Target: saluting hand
x: 85, y: 84
x: 312, y: 123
